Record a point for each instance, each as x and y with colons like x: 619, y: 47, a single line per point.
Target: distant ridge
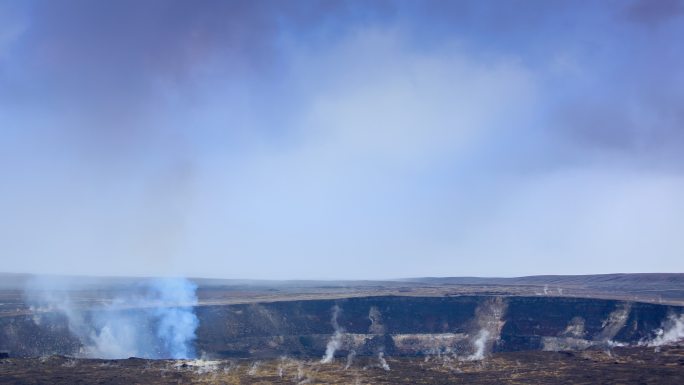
x: 673, y: 281
x: 589, y: 279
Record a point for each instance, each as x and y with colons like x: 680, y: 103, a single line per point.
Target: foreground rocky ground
x: 636, y: 365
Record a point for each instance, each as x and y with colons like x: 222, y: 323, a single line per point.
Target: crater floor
x: 634, y: 365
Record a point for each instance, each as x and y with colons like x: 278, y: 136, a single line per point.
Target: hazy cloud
x: 272, y: 139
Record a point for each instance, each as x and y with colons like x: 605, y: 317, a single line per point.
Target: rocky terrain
x: 454, y: 330
x: 618, y: 366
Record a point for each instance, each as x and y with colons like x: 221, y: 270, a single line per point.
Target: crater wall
x: 394, y: 325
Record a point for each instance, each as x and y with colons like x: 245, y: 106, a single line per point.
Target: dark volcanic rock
x: 392, y: 324
x: 623, y: 366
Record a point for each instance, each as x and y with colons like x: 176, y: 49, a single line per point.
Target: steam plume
x: 672, y: 331
x: 489, y: 319
x: 350, y: 359
x: 383, y: 363
x: 156, y: 320
x: 335, y: 341
x: 480, y: 344
x: 614, y: 323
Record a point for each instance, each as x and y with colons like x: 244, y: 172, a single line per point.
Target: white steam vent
x: 153, y: 320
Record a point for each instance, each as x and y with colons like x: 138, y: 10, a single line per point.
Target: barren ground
x: 619, y: 366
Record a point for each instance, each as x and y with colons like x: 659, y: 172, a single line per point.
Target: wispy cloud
x: 411, y: 138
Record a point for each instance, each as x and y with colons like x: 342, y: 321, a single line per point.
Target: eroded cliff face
x: 576, y: 323
x: 469, y: 326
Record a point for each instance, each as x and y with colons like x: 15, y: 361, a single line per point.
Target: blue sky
x: 341, y: 139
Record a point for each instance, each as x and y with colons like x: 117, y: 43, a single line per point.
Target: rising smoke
x: 672, y: 331
x: 489, y: 320
x: 154, y: 319
x: 383, y: 362
x: 612, y: 325
x: 335, y: 341
x: 480, y: 345
x: 350, y: 359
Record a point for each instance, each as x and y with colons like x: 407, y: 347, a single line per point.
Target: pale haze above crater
x: 341, y: 139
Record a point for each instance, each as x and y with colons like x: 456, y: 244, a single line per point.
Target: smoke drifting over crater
x: 153, y: 319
